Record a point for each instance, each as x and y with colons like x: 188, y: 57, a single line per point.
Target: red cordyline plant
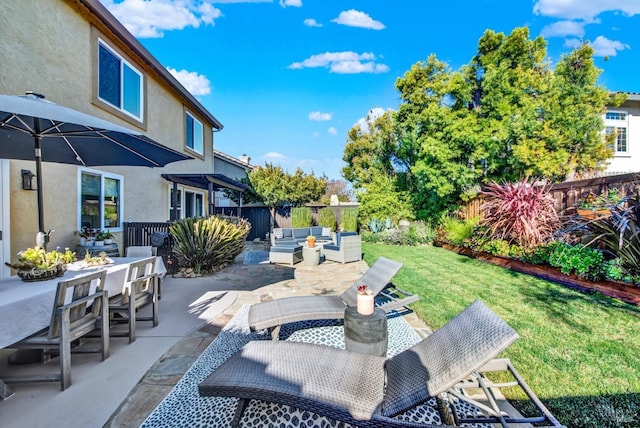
x: 519, y: 213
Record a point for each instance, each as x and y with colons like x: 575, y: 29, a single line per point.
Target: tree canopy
x: 503, y: 116
x: 275, y: 187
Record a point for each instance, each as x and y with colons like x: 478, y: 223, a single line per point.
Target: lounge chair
x: 275, y: 313
x: 367, y: 390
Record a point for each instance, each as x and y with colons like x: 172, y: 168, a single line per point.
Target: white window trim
x: 135, y: 70
x: 616, y: 124
x: 195, y: 120
x: 102, y: 175
x: 182, y: 191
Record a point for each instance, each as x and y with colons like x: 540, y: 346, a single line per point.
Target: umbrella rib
x: 28, y: 129
x: 140, y: 155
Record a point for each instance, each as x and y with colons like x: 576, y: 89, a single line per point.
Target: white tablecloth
x: 25, y: 307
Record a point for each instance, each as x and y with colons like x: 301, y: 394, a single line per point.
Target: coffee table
x: 311, y: 256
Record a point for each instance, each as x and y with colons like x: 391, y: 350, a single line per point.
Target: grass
x: 580, y: 353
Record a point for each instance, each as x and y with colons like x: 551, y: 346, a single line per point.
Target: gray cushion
x: 462, y: 346
x: 300, y: 232
x: 286, y: 233
x: 331, y: 247
x: 286, y: 248
x: 316, y: 231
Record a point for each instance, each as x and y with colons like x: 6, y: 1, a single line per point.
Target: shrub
x: 350, y: 219
x: 301, y: 217
x: 618, y: 234
x: 208, y: 244
x: 579, y: 259
x: 456, y: 231
x: 327, y: 218
x: 376, y: 225
x: 418, y: 233
x: 519, y: 213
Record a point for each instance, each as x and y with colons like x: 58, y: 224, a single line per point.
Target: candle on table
x: 365, y: 304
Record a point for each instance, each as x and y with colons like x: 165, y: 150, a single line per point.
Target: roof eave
x: 103, y: 14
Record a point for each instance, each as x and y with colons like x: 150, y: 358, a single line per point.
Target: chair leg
x: 104, y: 330
x: 156, y: 296
x: 132, y: 319
x: 65, y: 351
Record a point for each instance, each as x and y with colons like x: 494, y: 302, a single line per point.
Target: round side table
x: 366, y: 334
x: 310, y: 256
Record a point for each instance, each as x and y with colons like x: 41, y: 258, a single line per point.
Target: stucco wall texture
x: 49, y: 47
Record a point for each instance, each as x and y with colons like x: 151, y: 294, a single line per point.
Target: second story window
x: 119, y: 83
x: 194, y: 134
x: 616, y: 115
x: 620, y: 144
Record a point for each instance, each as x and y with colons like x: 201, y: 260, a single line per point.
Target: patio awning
x: 203, y: 181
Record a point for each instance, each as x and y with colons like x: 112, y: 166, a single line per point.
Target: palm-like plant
x: 618, y: 234
x: 519, y: 213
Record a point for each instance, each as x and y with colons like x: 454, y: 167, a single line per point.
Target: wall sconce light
x: 27, y: 180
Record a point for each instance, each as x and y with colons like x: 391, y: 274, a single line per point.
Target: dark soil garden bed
x: 618, y: 290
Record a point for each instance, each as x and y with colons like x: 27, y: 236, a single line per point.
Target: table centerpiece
x: 36, y: 264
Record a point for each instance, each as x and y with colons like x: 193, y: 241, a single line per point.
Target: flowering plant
x: 362, y: 289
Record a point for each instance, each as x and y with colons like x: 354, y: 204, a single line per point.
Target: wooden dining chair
x: 140, y: 251
x: 140, y: 288
x: 80, y: 307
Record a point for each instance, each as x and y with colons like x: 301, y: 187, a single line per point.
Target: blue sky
x: 289, y: 78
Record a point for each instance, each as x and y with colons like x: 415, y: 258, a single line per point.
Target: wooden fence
x: 568, y: 194
x: 139, y: 233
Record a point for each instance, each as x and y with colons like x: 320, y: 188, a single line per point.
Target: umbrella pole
x: 38, y: 140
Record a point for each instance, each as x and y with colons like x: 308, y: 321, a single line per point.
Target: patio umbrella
x: 32, y: 128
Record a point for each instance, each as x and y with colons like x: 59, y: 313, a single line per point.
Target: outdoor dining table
x: 25, y: 307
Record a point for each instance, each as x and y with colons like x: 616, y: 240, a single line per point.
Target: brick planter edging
x: 618, y: 290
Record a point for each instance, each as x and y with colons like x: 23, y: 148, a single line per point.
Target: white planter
x: 99, y: 244
x: 83, y: 241
x: 108, y: 241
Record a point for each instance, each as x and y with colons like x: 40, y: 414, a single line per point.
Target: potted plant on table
x: 36, y: 264
x: 311, y: 241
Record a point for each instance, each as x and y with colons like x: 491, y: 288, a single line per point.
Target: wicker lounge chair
x: 274, y: 313
x: 367, y: 390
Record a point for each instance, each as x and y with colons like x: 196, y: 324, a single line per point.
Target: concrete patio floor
x: 123, y: 390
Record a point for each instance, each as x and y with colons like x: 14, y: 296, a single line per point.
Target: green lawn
x: 580, y: 353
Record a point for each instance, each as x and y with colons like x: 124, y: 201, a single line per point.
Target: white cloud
x: 585, y: 10
x: 273, y: 155
x: 370, y: 118
x: 355, y: 18
x: 343, y: 62
x: 572, y: 43
x: 195, y: 83
x: 150, y: 18
x: 320, y: 116
x: 605, y: 47
x: 310, y: 22
x: 292, y: 3
x: 332, y: 131
x: 563, y: 29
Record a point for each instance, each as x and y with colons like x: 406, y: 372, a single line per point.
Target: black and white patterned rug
x: 184, y: 407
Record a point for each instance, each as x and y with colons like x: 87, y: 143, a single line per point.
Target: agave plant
x: 519, y: 213
x: 208, y: 244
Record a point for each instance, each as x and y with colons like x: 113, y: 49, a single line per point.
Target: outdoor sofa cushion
x: 286, y: 248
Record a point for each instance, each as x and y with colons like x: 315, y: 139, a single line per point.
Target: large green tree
x: 504, y: 115
x: 275, y: 187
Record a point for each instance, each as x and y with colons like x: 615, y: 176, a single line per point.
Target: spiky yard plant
x: 350, y: 220
x: 301, y: 217
x: 618, y: 234
x: 208, y: 244
x: 327, y: 218
x: 520, y: 213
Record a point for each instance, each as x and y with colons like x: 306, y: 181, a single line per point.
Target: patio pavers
x: 253, y: 283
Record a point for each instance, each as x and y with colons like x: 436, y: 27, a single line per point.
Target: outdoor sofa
x: 273, y: 314
x: 367, y: 390
x: 298, y: 235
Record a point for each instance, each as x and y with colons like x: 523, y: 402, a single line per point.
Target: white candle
x: 365, y: 304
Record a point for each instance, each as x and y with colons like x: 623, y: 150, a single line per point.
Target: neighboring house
x: 234, y: 168
x: 78, y: 55
x: 625, y: 122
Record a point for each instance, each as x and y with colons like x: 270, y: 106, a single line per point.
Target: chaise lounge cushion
x: 453, y: 353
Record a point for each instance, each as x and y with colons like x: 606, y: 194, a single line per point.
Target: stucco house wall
x: 629, y: 161
x: 50, y: 47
